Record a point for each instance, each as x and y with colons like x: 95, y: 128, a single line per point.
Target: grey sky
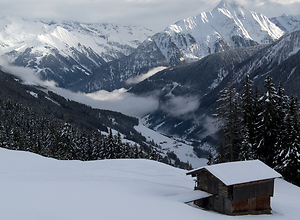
x: 154, y: 14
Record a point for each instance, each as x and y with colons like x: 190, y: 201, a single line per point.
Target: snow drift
x: 33, y: 187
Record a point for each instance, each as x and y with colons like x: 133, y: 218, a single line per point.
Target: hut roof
x: 233, y: 173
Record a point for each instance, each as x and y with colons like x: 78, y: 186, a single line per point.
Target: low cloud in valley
x: 118, y: 100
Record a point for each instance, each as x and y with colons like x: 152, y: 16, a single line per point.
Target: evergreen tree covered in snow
x: 249, y: 112
x: 229, y: 113
x: 264, y: 127
x: 268, y: 124
x: 283, y: 114
x: 290, y: 152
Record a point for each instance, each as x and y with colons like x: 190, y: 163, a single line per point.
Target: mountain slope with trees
x: 199, y: 85
x: 260, y: 126
x: 34, y: 119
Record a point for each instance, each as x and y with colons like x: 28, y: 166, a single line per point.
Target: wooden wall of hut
x: 253, y: 190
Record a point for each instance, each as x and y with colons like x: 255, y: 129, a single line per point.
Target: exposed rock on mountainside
x: 66, y: 52
x: 228, y: 26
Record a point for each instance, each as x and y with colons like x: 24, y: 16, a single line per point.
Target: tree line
x: 22, y: 128
x: 260, y: 126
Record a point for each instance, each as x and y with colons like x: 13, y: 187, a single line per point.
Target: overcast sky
x: 154, y: 14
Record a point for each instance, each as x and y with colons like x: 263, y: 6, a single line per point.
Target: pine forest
x: 260, y: 126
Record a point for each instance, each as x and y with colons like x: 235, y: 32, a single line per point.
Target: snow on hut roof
x: 232, y: 173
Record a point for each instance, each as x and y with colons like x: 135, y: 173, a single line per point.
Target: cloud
x: 154, y: 14
x: 210, y: 125
x: 118, y: 100
x: 27, y: 75
x: 140, y: 78
x: 121, y: 101
x: 273, y: 8
x: 284, y: 2
x: 179, y: 106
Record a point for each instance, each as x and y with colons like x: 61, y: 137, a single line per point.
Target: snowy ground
x: 35, y: 188
x: 183, y: 151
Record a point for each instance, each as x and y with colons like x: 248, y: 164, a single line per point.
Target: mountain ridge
x: 226, y: 27
x: 66, y: 52
x: 287, y: 23
x: 91, y: 57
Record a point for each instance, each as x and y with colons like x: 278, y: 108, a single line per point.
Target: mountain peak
x: 227, y: 4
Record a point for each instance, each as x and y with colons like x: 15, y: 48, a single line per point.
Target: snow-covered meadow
x: 34, y: 188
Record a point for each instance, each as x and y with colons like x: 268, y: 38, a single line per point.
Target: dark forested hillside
x: 50, y: 125
x: 34, y: 119
x: 53, y: 105
x: 22, y: 128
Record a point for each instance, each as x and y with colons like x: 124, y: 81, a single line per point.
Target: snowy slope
x: 287, y: 23
x: 279, y: 60
x: 65, y: 52
x: 106, y: 40
x: 33, y: 187
x: 229, y: 25
x: 184, y: 151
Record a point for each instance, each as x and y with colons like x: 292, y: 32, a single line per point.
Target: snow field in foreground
x: 33, y: 187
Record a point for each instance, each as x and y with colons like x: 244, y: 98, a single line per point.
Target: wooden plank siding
x: 253, y: 190
x: 261, y: 205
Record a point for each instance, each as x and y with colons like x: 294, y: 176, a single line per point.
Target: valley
x: 195, y: 58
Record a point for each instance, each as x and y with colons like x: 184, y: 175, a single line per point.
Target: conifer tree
x: 270, y: 128
x: 222, y: 154
x: 249, y: 114
x: 290, y: 153
x: 268, y: 124
x: 256, y: 123
x: 96, y: 145
x: 229, y: 114
x: 118, y: 146
x: 64, y: 142
x: 282, y: 113
x: 110, y: 146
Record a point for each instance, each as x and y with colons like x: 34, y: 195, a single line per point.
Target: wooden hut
x: 236, y: 188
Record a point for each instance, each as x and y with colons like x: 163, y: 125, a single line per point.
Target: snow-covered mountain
x: 90, y: 57
x: 66, y: 51
x: 287, y: 23
x: 280, y: 60
x: 229, y: 25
